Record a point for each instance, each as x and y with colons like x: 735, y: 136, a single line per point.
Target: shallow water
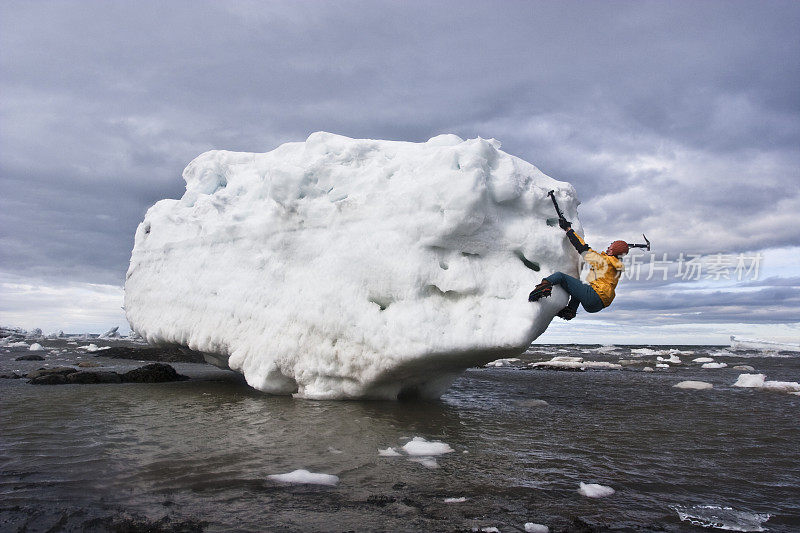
x: 199, y: 452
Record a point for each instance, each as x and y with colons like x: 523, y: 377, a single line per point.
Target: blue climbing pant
x: 580, y: 292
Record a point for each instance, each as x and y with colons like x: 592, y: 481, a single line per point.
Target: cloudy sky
x: 677, y: 119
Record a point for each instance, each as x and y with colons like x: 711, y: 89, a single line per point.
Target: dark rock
x: 31, y: 357
x: 153, y: 373
x: 58, y: 370
x: 169, y: 354
x: 12, y: 375
x: 93, y: 377
x: 49, y: 379
x: 381, y: 500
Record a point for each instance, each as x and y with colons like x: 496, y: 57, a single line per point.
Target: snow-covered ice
x: 759, y: 381
x: 594, y: 490
x: 344, y: 268
x: 418, y: 446
x: 721, y: 517
x: 503, y: 362
x: 697, y: 385
x: 703, y: 360
x: 36, y: 347
x: 662, y: 365
x: 462, y: 499
x: 305, y: 477
x: 671, y: 359
x: 714, y: 365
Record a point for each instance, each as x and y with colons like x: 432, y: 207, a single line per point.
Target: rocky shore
x: 62, y: 375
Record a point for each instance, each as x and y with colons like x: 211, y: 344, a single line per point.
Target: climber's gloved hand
x: 564, y: 224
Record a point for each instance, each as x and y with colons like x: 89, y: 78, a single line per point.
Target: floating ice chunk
x: 490, y: 529
x: 643, y: 351
x: 697, y: 385
x: 531, y: 527
x: 703, y: 360
x: 594, y: 490
x: 648, y: 369
x: 662, y: 365
x: 36, y: 347
x: 389, y: 452
x: 714, y: 365
x: 785, y: 386
x: 671, y: 359
x: 352, y: 268
x: 750, y: 380
x: 563, y: 361
x: 606, y: 348
x: 744, y: 368
x: 462, y: 499
x: 503, y: 362
x: 427, y: 462
x: 719, y: 517
x: 418, y: 446
x: 94, y: 348
x: 19, y: 344
x: 305, y: 477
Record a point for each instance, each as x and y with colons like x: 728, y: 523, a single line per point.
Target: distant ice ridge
x: 344, y: 268
x: 741, y: 343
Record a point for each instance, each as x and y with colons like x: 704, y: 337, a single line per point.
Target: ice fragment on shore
x: 36, y: 347
x: 462, y: 499
x: 594, y: 490
x: 351, y: 268
x: 697, y: 385
x: 389, y: 452
x: 305, y: 477
x: 531, y: 527
x: 503, y: 362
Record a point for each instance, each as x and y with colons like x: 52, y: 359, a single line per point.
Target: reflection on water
x: 202, y: 450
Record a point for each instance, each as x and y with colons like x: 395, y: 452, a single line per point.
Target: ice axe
x: 646, y: 246
x: 558, y: 209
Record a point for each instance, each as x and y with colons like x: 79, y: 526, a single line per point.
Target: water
x: 197, y: 454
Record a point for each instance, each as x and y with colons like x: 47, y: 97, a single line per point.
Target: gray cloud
x: 681, y: 121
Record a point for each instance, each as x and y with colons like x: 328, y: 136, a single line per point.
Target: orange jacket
x: 604, y: 269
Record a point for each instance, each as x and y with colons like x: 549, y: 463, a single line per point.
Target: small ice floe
x: 36, y: 347
x: 703, y: 360
x: 719, y: 517
x: 331, y: 449
x: 389, y: 452
x: 643, y: 351
x: 744, y: 368
x: 304, y: 477
x: 574, y: 363
x: 662, y: 365
x: 696, y: 385
x: 594, y: 490
x: 671, y: 359
x: 93, y: 348
x: 462, y: 499
x: 531, y: 527
x: 714, y: 365
x: 488, y: 529
x: 759, y: 381
x: 721, y: 353
x: 19, y: 344
x: 427, y: 462
x: 502, y: 362
x: 418, y: 446
x: 604, y: 348
x: 648, y: 369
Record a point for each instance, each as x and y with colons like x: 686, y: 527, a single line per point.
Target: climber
x: 605, y: 270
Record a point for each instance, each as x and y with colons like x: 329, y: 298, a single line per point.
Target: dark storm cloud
x: 681, y: 120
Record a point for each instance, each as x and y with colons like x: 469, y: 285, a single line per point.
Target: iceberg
x: 350, y: 268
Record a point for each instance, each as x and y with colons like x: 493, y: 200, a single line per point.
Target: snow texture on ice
x: 531, y: 527
x: 345, y: 268
x: 418, y: 446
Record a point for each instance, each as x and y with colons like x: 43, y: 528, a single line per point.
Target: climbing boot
x: 542, y: 290
x: 567, y: 313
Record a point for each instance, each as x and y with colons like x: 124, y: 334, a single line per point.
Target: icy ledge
x: 344, y: 268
